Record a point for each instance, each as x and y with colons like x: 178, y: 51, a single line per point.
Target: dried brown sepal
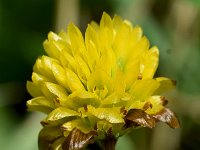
x: 109, y: 143
x: 77, y: 140
x: 167, y: 116
x: 138, y: 117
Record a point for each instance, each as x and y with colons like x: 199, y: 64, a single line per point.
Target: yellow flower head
x: 99, y: 85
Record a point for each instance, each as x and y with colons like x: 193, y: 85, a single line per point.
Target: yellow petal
x: 77, y: 41
x: 99, y: 80
x: 43, y: 66
x: 73, y: 80
x: 33, y: 89
x: 81, y: 124
x: 38, y: 79
x: 156, y: 103
x: 40, y: 104
x: 68, y: 61
x: 50, y: 49
x: 142, y: 89
x: 136, y: 35
x: 112, y: 115
x: 51, y: 46
x: 63, y: 34
x: 119, y: 83
x: 107, y: 63
x: 60, y: 76
x: 150, y: 63
x: 106, y: 38
x: 131, y: 73
x: 165, y: 85
x: 83, y: 98
x: 117, y: 22
x: 93, y: 46
x: 106, y: 21
x: 92, y: 55
x: 116, y: 100
x: 91, y: 35
x: 60, y: 115
x: 139, y: 48
x: 121, y: 41
x: 84, y: 71
x: 56, y: 93
x: 136, y: 105
x: 95, y: 25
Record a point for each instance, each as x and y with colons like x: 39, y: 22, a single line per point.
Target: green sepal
x: 47, y: 136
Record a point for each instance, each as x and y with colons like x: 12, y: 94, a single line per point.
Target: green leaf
x: 77, y: 140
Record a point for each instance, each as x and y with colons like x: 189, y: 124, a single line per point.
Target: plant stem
x: 109, y: 143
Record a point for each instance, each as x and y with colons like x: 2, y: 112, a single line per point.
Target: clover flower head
x: 97, y: 86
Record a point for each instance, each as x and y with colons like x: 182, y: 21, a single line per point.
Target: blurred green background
x: 172, y: 25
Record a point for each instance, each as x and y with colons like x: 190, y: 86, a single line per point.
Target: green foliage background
x: 172, y: 25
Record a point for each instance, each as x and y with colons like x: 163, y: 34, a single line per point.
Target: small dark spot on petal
x: 139, y: 76
x: 123, y: 110
x: 147, y: 105
x: 94, y: 88
x: 163, y: 100
x: 85, y: 107
x: 57, y: 100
